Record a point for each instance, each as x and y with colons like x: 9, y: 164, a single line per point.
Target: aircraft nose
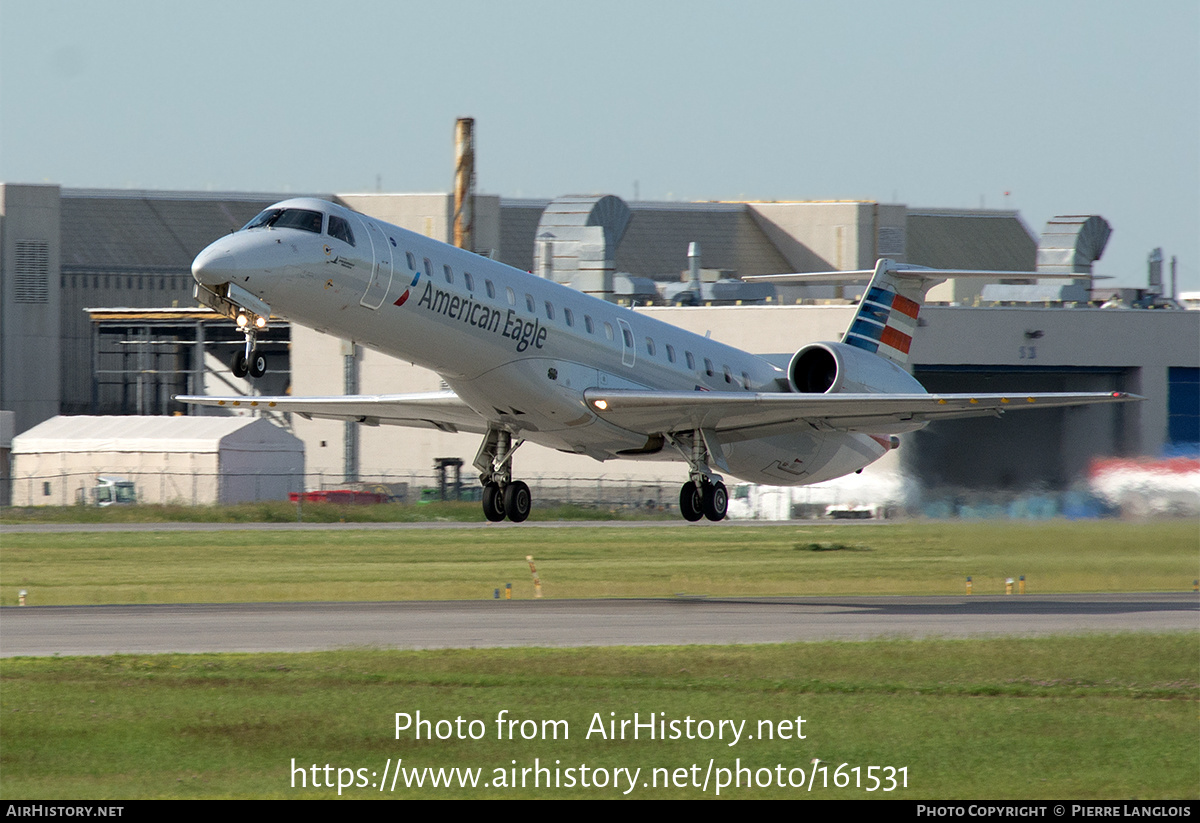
x: 214, y: 266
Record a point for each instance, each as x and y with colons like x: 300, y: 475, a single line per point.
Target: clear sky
x: 1046, y: 107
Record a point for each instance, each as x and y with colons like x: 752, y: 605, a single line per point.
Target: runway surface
x: 260, y: 627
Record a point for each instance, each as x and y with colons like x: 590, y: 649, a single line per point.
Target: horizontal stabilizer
x: 887, y: 316
x: 900, y: 270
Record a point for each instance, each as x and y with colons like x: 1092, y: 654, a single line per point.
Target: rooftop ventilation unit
x: 1070, y: 243
x: 577, y: 239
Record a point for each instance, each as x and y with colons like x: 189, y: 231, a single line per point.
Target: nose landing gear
x: 250, y: 361
x: 256, y: 366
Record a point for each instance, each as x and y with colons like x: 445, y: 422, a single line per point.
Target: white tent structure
x: 196, y: 460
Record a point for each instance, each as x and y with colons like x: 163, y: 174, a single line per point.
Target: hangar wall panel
x: 30, y: 298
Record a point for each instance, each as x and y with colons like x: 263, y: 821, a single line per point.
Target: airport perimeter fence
x: 198, y: 488
x: 612, y: 492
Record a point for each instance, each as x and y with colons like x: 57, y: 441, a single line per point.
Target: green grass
x: 583, y: 561
x: 1068, y: 717
x: 1073, y: 717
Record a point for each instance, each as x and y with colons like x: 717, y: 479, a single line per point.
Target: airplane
x: 529, y: 359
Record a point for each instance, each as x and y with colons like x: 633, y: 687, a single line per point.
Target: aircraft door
x: 381, y: 270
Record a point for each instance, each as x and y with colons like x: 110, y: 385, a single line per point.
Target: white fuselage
x: 519, y: 349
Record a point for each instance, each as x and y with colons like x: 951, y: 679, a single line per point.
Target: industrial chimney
x: 464, y: 183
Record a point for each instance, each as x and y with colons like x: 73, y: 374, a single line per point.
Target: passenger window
x: 708, y: 367
x: 569, y: 316
x: 512, y: 295
x: 491, y: 288
x: 728, y: 374
x: 745, y: 380
x: 446, y: 270
x: 549, y: 310
x: 670, y: 353
x: 587, y: 322
x: 428, y: 268
x: 339, y: 229
x: 412, y: 261
x: 608, y: 331
x: 627, y: 335
x: 691, y: 361
x: 469, y: 280
x: 649, y: 345
x: 529, y: 303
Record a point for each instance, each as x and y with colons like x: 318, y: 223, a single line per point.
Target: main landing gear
x: 703, y: 495
x: 503, y: 497
x: 707, y: 498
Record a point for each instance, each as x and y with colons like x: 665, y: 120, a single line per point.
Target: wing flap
x: 434, y: 410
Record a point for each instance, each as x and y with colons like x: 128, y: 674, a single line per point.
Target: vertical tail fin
x: 886, y: 319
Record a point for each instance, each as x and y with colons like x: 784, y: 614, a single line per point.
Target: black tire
x: 239, y: 365
x: 258, y: 365
x: 493, y: 502
x: 716, y: 501
x: 517, y: 501
x: 691, y: 502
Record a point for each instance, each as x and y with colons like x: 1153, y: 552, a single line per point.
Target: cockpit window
x: 339, y: 229
x: 302, y: 219
x: 263, y: 218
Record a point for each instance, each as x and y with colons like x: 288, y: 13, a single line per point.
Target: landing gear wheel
x: 239, y: 365
x: 493, y: 502
x: 517, y: 501
x: 258, y: 365
x: 716, y: 501
x: 691, y: 502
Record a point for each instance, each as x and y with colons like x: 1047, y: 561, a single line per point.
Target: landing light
x: 260, y: 322
x: 242, y: 320
x: 601, y: 404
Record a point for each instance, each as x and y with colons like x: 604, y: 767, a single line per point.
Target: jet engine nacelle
x: 827, y: 368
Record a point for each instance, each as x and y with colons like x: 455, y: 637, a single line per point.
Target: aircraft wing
x: 434, y: 410
x: 741, y: 415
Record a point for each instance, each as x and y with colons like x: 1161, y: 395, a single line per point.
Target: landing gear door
x: 381, y: 271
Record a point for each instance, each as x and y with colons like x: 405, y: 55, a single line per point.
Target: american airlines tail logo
x: 886, y: 321
x: 411, y: 286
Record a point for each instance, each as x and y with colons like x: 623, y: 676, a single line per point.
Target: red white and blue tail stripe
x: 886, y: 319
x: 885, y: 323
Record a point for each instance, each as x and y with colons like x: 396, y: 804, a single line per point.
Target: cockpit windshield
x: 302, y: 219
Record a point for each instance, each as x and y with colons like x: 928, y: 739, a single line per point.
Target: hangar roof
x: 968, y: 239
x: 102, y: 228
x: 129, y: 230
x: 656, y: 240
x: 129, y: 433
